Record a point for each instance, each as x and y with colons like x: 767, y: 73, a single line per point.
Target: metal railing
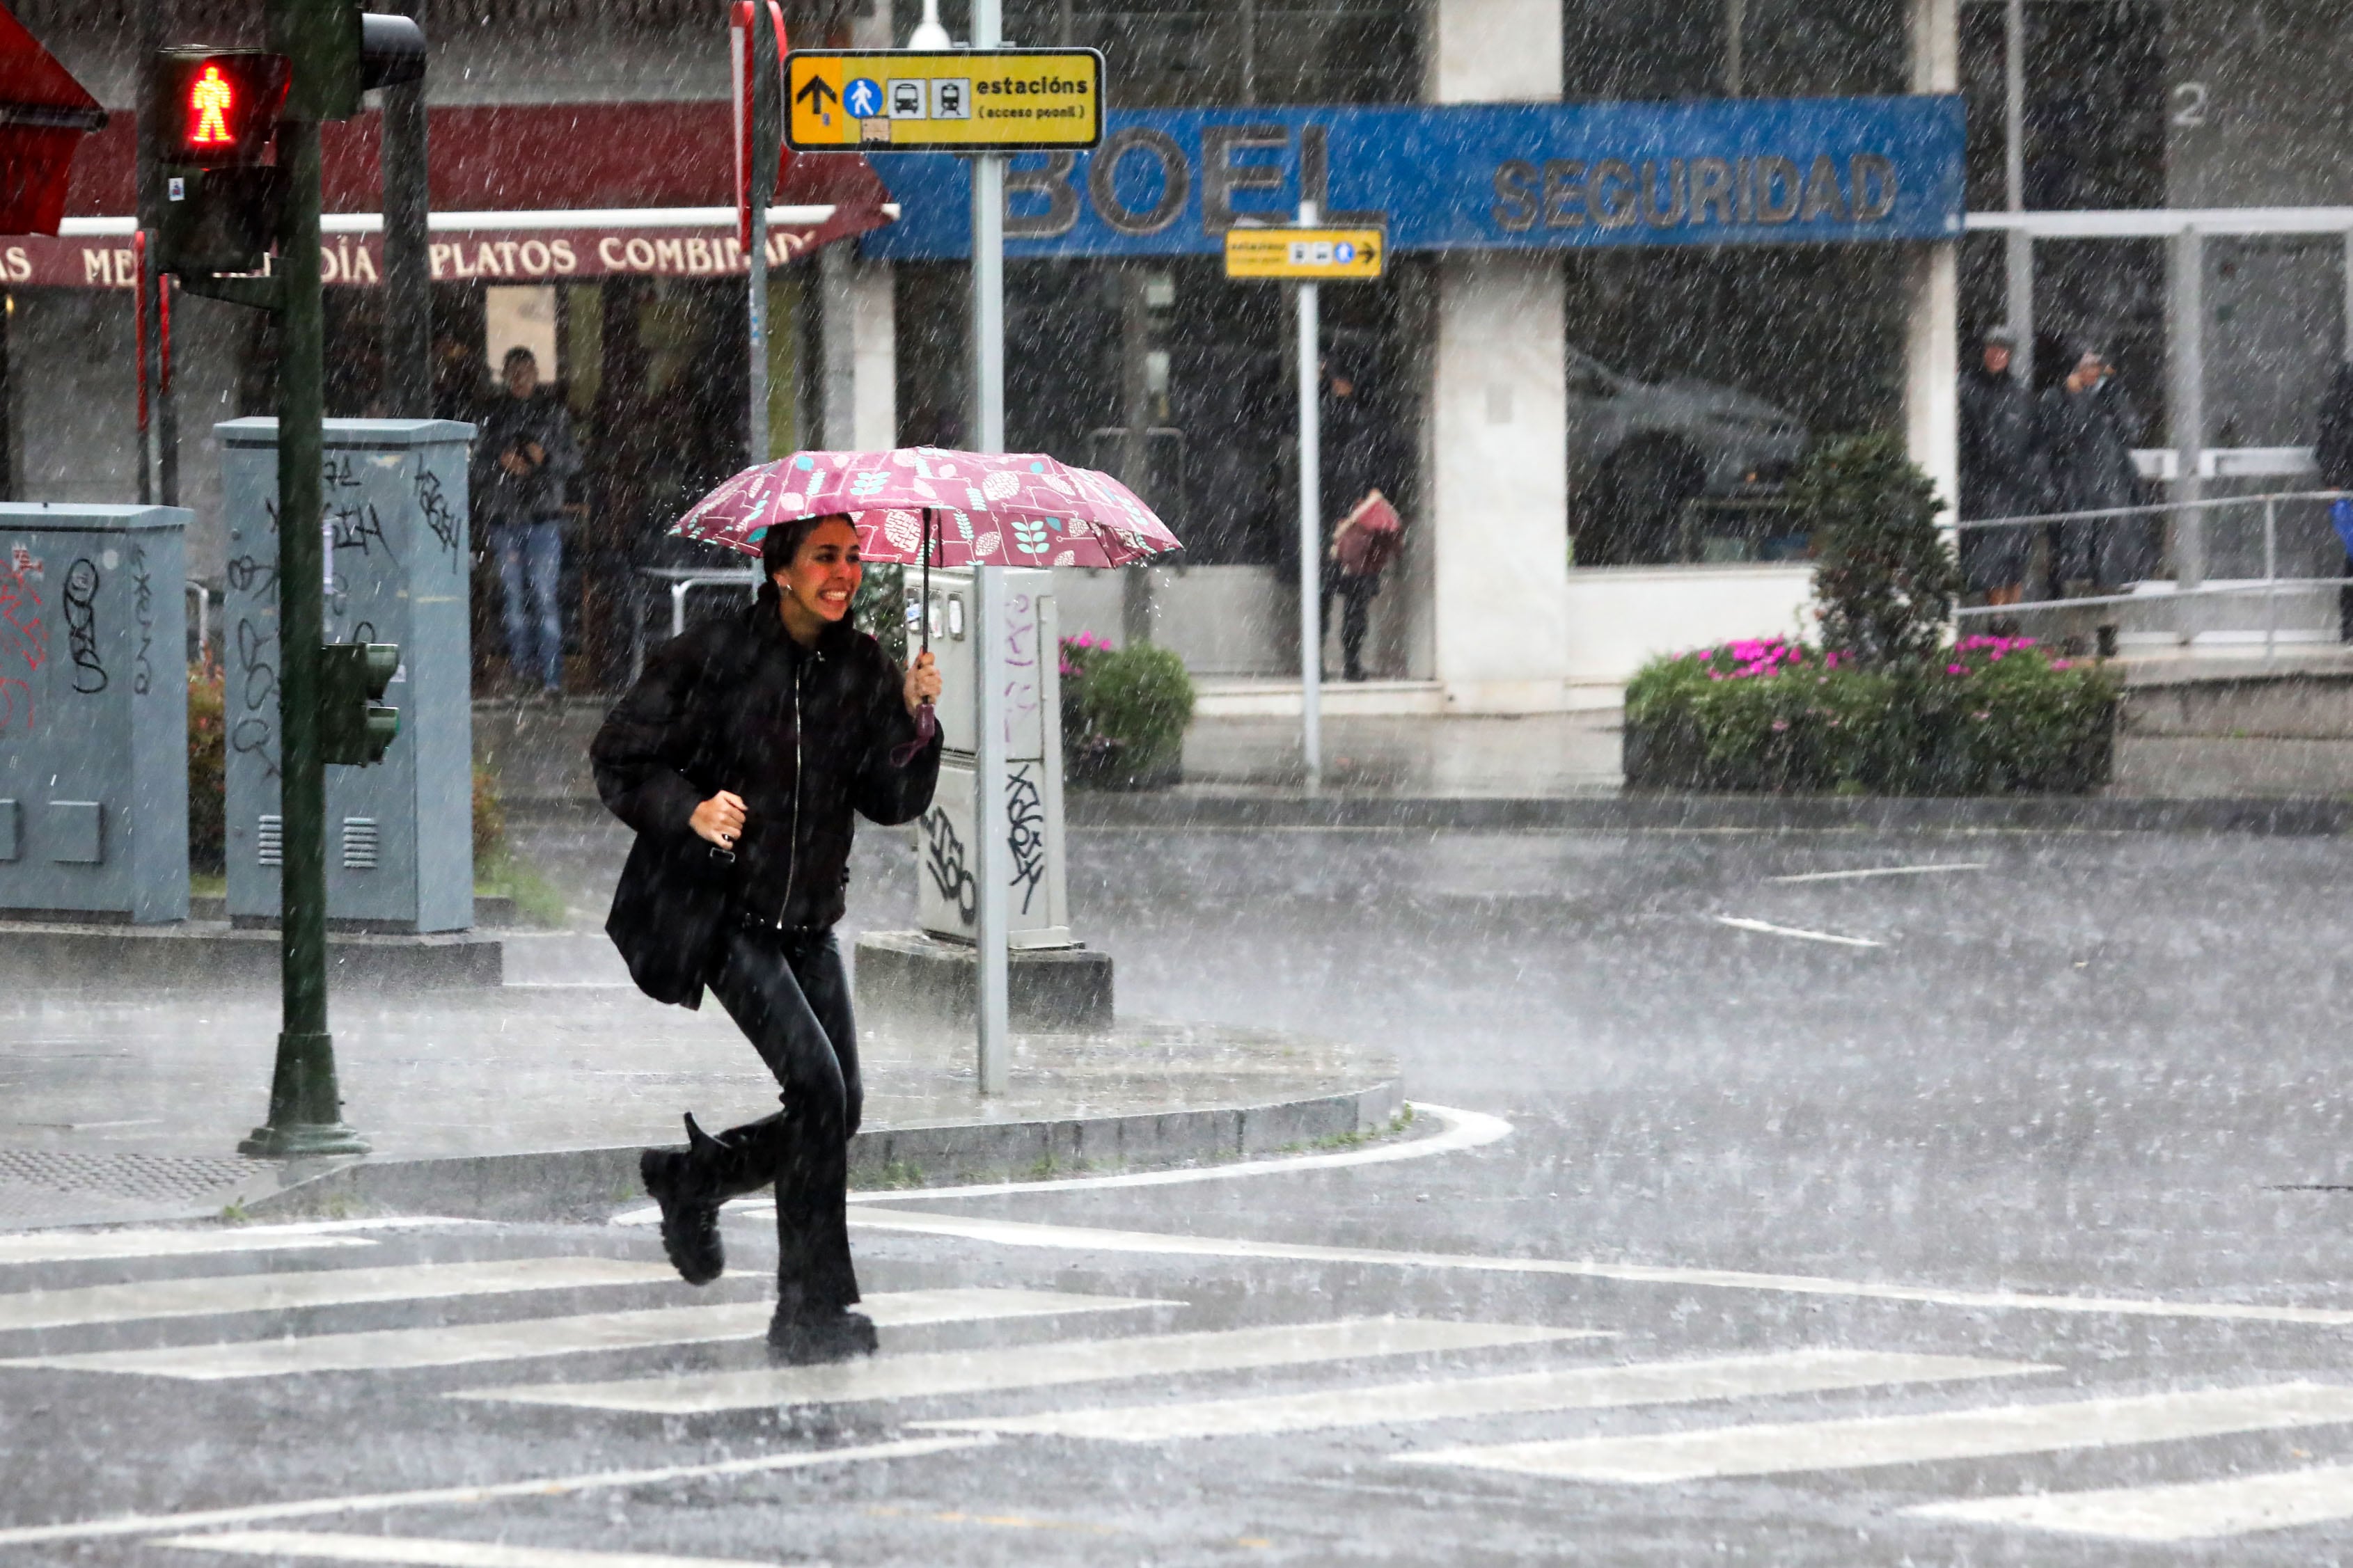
x: 2187, y: 549
x: 680, y: 580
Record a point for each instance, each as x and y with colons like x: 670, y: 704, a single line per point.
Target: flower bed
x: 1125, y: 711
x: 1986, y: 716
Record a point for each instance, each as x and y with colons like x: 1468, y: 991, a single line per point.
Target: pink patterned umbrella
x: 940, y: 508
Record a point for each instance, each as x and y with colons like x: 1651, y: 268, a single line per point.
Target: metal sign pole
x: 767, y: 116
x: 1311, y: 534
x: 989, y: 630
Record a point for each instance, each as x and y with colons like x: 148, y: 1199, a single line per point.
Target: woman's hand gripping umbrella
x: 929, y: 506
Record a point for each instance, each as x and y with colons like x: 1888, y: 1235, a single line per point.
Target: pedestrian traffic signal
x: 354, y: 730
x: 220, y: 106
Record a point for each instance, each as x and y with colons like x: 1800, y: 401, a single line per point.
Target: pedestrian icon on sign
x: 862, y: 99
x: 1344, y: 253
x: 907, y: 100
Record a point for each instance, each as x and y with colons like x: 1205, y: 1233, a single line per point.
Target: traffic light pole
x: 305, y: 1105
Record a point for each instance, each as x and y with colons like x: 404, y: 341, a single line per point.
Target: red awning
x: 44, y: 114
x: 530, y: 157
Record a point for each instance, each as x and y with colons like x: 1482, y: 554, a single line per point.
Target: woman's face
x: 823, y: 576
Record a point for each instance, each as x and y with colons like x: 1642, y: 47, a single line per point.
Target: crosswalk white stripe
x: 1092, y: 1238
x: 1024, y: 1367
x: 144, y: 1298
x: 424, y: 1553
x: 456, y: 1344
x: 460, y: 1497
x: 2192, y: 1511
x: 83, y: 1245
x: 1780, y: 1449
x: 1568, y: 1388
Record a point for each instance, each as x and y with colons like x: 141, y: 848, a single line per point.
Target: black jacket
x: 804, y: 735
x: 2003, y: 469
x: 2089, y: 438
x: 506, y: 423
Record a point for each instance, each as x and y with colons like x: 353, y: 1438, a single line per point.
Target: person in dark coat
x: 1356, y: 461
x: 739, y: 757
x: 523, y: 458
x: 2332, y: 454
x: 2089, y: 426
x: 2002, y: 470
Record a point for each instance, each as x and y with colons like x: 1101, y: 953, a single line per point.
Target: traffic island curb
x: 213, y: 955
x: 574, y: 1185
x: 2307, y: 817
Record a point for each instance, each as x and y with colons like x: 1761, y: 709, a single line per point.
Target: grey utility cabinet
x: 400, y: 845
x: 94, y: 710
x: 947, y: 896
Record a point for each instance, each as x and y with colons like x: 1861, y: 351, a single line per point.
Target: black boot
x: 810, y: 1328
x: 690, y: 1183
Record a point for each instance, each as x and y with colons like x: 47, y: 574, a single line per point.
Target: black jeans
x: 786, y: 992
x: 1355, y: 613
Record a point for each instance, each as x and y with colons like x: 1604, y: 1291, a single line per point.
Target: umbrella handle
x: 927, y: 724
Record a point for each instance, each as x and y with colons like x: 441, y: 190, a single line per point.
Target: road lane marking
x: 1023, y: 1366
x: 1459, y: 1130
x: 144, y: 1298
x: 2194, y: 1510
x: 78, y: 1246
x: 458, y: 1497
x: 1767, y: 928
x: 425, y: 1553
x: 1086, y: 1238
x: 1883, y: 871
x: 1785, y: 1447
x: 1567, y: 1388
x: 456, y: 1344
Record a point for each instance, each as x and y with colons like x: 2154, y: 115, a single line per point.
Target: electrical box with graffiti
x: 400, y: 845
x: 1036, y: 902
x: 93, y: 711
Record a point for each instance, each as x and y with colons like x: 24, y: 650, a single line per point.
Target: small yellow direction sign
x: 964, y: 100
x: 1314, y: 254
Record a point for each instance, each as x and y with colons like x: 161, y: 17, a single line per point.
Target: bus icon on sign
x: 862, y: 100
x: 907, y: 99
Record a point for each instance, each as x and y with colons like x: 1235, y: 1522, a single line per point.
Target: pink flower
x: 1779, y: 725
x: 2061, y: 663
x: 1956, y: 669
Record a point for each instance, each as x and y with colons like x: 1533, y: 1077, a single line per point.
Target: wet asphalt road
x: 2082, y: 1067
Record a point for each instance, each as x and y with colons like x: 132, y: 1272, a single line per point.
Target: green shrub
x: 1884, y: 577
x: 1989, y: 716
x: 490, y: 818
x: 1124, y: 713
x: 207, y: 762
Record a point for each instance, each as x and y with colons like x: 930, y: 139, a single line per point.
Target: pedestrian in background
x: 1362, y: 544
x: 2332, y: 454
x: 524, y: 456
x: 2089, y: 426
x: 1356, y: 444
x: 740, y: 757
x: 2003, y: 470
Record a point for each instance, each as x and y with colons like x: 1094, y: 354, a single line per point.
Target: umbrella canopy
x: 986, y: 509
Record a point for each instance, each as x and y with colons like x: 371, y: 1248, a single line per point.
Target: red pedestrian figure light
x: 210, y: 98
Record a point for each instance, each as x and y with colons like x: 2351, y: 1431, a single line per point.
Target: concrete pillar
x: 874, y: 357
x: 1932, y: 324
x: 1496, y: 522
x: 2185, y: 341
x: 1498, y: 485
x: 837, y: 339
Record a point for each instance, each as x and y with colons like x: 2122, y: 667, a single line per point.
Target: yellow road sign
x: 962, y: 100
x: 1312, y: 254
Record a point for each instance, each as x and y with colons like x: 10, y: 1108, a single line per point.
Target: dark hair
x: 783, y: 542
x: 520, y: 353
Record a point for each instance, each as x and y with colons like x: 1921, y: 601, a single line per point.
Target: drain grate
x: 141, y: 1178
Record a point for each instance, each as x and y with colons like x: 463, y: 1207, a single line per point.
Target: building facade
x: 1642, y: 254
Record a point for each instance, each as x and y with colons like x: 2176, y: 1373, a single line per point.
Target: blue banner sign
x: 1464, y: 177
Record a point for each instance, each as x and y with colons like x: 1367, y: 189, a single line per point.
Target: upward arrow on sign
x: 817, y: 91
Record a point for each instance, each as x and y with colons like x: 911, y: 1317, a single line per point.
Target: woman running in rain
x: 739, y: 757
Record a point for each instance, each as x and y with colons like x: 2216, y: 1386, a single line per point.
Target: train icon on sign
x: 862, y: 99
